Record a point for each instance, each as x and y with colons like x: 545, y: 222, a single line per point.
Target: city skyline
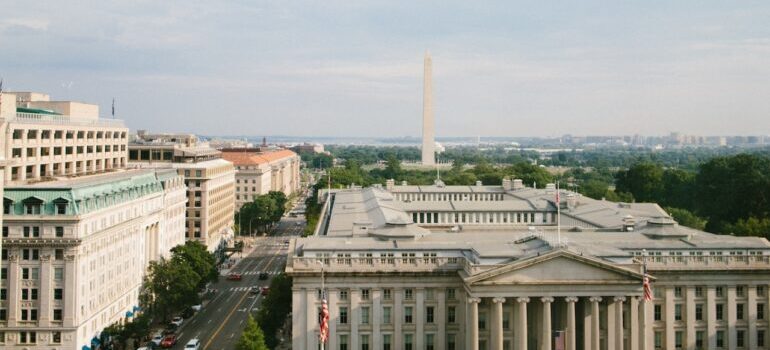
x: 502, y: 70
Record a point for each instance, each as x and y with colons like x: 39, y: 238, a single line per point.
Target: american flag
x: 647, y: 287
x: 324, y: 321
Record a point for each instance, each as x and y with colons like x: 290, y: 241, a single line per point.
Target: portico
x: 560, y: 298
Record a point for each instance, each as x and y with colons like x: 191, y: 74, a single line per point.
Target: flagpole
x: 323, y: 297
x: 558, y: 213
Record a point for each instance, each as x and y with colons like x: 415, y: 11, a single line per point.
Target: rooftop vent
x: 518, y: 184
x: 478, y: 183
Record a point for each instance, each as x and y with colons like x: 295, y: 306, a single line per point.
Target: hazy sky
x: 354, y: 68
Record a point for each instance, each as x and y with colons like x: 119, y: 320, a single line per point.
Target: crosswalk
x: 254, y: 273
x: 241, y: 289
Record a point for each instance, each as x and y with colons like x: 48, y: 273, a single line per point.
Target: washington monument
x: 428, y: 134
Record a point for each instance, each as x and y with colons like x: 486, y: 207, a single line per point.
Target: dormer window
x: 60, y: 205
x: 33, y: 206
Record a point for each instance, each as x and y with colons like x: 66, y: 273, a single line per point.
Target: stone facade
x: 259, y: 172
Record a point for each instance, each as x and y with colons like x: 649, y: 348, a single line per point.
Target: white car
x: 156, y: 339
x: 177, y: 321
x: 193, y: 344
x: 197, y: 308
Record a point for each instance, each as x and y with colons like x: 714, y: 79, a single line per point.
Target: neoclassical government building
x: 485, y: 267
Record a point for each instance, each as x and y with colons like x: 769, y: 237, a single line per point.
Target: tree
x: 279, y: 199
x: 173, y: 286
x: 530, y: 174
x: 275, y: 308
x: 686, y: 218
x: 392, y: 168
x: 643, y: 180
x: 195, y: 255
x: 252, y: 337
x: 750, y: 227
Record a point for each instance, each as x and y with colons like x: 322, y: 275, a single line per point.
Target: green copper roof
x: 36, y: 111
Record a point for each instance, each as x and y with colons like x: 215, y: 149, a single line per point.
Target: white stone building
x: 259, y: 172
x: 395, y: 284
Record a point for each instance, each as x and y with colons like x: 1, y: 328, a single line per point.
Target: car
x: 177, y: 321
x: 196, y: 308
x: 143, y: 348
x: 264, y: 290
x: 157, y: 337
x: 263, y: 275
x: 168, y: 341
x: 193, y: 344
x: 254, y: 290
x: 234, y: 276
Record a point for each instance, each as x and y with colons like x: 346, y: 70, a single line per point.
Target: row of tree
x: 724, y: 195
x: 260, y: 214
x: 263, y: 333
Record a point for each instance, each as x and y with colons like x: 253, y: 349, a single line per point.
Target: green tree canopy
x: 173, y: 286
x: 252, y: 337
x: 643, y: 180
x: 195, y: 255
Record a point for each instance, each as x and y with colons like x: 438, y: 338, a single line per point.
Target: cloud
x: 24, y: 25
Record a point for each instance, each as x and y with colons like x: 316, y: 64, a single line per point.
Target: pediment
x: 557, y: 267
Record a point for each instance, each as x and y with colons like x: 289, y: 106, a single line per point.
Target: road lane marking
x: 230, y: 314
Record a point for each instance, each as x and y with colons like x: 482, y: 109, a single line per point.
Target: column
x: 497, y: 324
x: 711, y: 318
x: 419, y: 318
x: 354, y: 316
x: 545, y: 337
x: 70, y: 284
x: 521, y: 324
x: 689, y: 317
x: 298, y: 316
x: 332, y: 297
x: 45, y: 297
x: 376, y: 319
x: 587, y: 329
x: 731, y: 319
x: 619, y: 322
x: 14, y: 291
x: 571, y: 322
x: 595, y: 322
x: 440, y: 319
x: 398, y: 316
x: 312, y: 319
x: 473, y: 323
x: 633, y: 323
x: 669, y: 317
x: 752, y: 317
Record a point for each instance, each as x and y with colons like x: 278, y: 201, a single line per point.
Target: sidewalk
x: 230, y: 264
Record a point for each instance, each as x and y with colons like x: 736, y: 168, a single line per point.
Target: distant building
x: 78, y: 229
x: 484, y: 267
x: 209, y: 179
x: 259, y: 172
x: 309, y: 148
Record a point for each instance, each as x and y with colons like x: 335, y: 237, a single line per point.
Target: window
x: 720, y: 339
x: 27, y: 337
x: 4, y: 273
x: 3, y: 294
x: 386, y: 315
x: 740, y: 292
x: 5, y: 231
x: 720, y: 312
x: 761, y: 338
x: 365, y: 315
x: 506, y: 321
x: 678, y: 312
x: 364, y: 294
x: 364, y: 341
x: 739, y: 311
x: 740, y: 337
x: 29, y: 314
x: 760, y: 311
x: 343, y: 342
x: 677, y: 292
x: 451, y: 342
x: 451, y: 314
x: 58, y: 294
x: 407, y: 314
x: 3, y: 315
x: 699, y: 312
x: 343, y: 315
x: 482, y: 320
x: 59, y: 231
x: 31, y: 231
x: 58, y: 273
x: 450, y: 294
x: 429, y: 343
x: 56, y: 337
x: 343, y: 294
x: 30, y: 254
x: 57, y: 314
x: 408, y: 342
x: 429, y: 314
x: 386, y: 294
x: 720, y: 292
x: 760, y: 291
x: 408, y: 294
x: 699, y: 339
x: 678, y: 339
x: 59, y: 254
x: 658, y: 340
x: 699, y: 292
x: 386, y: 341
x: 658, y: 312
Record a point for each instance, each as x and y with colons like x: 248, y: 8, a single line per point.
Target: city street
x: 219, y: 323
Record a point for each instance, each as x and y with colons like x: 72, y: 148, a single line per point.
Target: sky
x: 354, y: 68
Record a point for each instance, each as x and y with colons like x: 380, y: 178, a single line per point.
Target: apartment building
x: 259, y: 172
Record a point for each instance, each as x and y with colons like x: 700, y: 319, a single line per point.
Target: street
x: 219, y: 323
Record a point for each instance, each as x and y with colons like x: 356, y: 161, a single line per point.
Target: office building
x: 259, y: 172
x: 493, y: 281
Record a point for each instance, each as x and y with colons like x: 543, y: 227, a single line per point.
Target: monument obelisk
x: 428, y: 141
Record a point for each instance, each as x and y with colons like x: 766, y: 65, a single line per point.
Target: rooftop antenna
x: 558, y: 214
x: 113, y: 108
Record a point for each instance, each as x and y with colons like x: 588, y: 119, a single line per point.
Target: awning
x: 129, y: 314
x: 95, y: 341
x: 85, y: 348
x: 137, y: 308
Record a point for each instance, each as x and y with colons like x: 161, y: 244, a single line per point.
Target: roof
x: 257, y: 158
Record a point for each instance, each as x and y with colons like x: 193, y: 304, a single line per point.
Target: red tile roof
x: 256, y: 158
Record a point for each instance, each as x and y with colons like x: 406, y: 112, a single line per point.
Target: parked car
x: 196, y: 308
x: 177, y: 321
x: 254, y: 290
x: 157, y: 337
x: 263, y: 275
x: 234, y: 276
x: 264, y: 290
x: 168, y: 341
x: 193, y: 344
